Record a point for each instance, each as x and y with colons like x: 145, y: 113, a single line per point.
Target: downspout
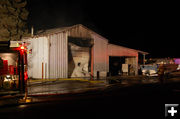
x: 144, y: 58
x: 32, y: 31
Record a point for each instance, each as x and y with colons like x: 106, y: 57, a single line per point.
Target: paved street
x: 63, y: 86
x: 138, y: 101
x: 93, y: 99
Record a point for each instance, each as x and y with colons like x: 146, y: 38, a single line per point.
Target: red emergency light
x: 22, y: 48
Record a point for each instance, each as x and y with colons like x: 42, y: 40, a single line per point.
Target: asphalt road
x: 114, y: 102
x: 62, y: 86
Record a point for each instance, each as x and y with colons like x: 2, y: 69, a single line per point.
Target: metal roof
x: 63, y: 29
x: 139, y: 51
x: 142, y: 52
x: 52, y: 31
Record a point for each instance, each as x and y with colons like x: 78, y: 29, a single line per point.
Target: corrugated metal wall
x: 101, y: 62
x: 100, y: 52
x: 58, y: 55
x: 38, y: 57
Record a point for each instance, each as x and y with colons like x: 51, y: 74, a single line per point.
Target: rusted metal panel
x: 100, y: 56
x: 58, y: 55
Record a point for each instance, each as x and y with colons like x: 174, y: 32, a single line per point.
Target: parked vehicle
x: 149, y: 70
x: 10, y: 82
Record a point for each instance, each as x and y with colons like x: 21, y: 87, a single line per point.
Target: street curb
x: 80, y: 91
x: 65, y: 79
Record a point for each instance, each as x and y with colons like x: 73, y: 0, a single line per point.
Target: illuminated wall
x: 11, y: 57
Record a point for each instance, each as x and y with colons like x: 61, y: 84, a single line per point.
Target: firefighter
x: 161, y: 73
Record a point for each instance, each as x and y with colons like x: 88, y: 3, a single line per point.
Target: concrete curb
x: 38, y: 82
x: 64, y: 79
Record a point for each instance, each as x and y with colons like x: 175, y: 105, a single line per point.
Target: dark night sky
x: 151, y: 27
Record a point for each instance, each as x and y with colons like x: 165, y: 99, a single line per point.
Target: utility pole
x: 24, y: 75
x: 21, y: 70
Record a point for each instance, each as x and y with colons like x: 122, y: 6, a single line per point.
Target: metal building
x: 74, y: 51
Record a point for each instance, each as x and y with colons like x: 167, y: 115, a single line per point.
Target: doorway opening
x: 122, y: 65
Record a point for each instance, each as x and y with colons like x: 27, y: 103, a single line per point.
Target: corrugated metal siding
x: 100, y: 55
x: 58, y: 56
x: 39, y: 55
x: 79, y: 31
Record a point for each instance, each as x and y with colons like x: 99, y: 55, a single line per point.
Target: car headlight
x: 8, y: 76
